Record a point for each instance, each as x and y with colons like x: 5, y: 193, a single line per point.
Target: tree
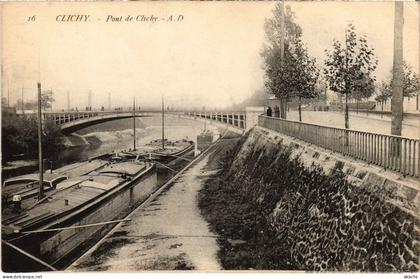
x: 385, y: 92
x: 364, y: 88
x: 411, y: 86
x: 47, y: 99
x: 290, y: 72
x: 411, y: 81
x: 322, y: 88
x: 349, y: 68
x: 53, y: 139
x: 280, y: 31
x: 20, y: 136
x: 305, y: 75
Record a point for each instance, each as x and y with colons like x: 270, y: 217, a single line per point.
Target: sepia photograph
x: 234, y: 138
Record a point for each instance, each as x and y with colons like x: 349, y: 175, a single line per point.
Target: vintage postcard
x: 210, y: 137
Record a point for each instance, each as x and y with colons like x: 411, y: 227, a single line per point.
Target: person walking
x: 269, y: 111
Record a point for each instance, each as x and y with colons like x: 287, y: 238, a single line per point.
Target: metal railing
x: 63, y: 118
x: 390, y: 152
x: 237, y: 119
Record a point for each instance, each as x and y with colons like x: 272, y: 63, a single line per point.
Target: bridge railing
x: 237, y: 119
x: 396, y: 153
x: 62, y: 118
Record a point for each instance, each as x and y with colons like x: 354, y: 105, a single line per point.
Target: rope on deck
x: 77, y: 227
x: 165, y: 166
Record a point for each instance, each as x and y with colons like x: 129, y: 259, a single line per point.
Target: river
x: 114, y: 135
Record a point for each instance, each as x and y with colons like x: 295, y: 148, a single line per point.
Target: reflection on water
x: 118, y: 135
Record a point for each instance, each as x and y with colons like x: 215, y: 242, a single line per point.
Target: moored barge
x: 171, y: 151
x: 61, y: 224
x: 27, y: 185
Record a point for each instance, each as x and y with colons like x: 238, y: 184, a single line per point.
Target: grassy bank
x: 247, y: 240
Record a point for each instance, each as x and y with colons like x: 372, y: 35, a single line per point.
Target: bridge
x: 399, y: 154
x: 72, y: 121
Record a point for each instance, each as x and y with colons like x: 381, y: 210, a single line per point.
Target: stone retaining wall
x: 345, y: 215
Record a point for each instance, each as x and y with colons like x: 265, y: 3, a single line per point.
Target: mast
x: 8, y: 93
x: 163, y: 124
x: 41, y: 167
x: 23, y: 102
x: 23, y: 92
x: 134, y: 123
x: 109, y: 100
x: 90, y: 100
x: 205, y: 119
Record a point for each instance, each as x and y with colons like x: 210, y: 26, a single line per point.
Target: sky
x: 209, y: 58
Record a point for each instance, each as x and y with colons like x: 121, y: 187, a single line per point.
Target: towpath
x: 167, y: 234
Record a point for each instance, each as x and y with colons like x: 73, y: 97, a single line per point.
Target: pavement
x: 361, y: 122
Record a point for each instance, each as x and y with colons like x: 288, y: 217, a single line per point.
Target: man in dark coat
x: 269, y: 111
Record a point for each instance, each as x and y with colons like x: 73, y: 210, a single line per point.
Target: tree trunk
x: 281, y: 108
x: 357, y: 105
x: 382, y: 108
x: 346, y: 120
x: 285, y: 108
x: 300, y: 109
x: 346, y: 112
x: 417, y: 102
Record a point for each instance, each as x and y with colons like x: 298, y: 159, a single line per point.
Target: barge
x: 27, y: 186
x: 171, y: 151
x: 60, y: 225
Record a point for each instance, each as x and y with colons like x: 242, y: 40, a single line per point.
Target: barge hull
x: 56, y: 248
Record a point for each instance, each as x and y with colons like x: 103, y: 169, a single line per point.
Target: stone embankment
x: 279, y: 203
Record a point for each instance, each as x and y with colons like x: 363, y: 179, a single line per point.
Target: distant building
x: 7, y: 109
